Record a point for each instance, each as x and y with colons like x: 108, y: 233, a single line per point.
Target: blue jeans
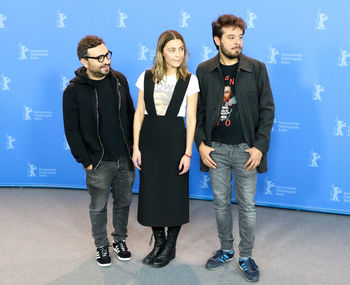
x: 231, y: 158
x: 115, y: 177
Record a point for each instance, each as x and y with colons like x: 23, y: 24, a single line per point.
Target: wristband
x: 189, y: 156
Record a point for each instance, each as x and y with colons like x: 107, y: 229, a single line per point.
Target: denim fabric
x: 115, y: 177
x: 231, y: 159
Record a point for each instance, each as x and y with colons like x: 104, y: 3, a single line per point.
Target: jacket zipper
x: 97, y: 127
x: 120, y: 122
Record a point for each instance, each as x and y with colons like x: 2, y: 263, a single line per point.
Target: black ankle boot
x: 159, y: 243
x: 168, y: 252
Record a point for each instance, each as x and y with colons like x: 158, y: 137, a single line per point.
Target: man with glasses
x: 98, y: 117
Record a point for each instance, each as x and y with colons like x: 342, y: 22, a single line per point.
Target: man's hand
x: 254, y: 159
x: 204, y: 152
x: 89, y: 167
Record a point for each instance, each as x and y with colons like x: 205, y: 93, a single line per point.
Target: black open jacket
x: 254, y: 101
x: 81, y: 118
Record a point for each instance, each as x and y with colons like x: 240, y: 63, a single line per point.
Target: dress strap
x: 148, y: 93
x: 178, y: 96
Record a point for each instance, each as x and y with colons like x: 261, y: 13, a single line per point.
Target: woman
x: 163, y: 146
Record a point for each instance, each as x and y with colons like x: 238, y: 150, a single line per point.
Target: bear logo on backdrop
x: 27, y: 112
x: 34, y: 54
x: 339, y: 126
x: 204, y: 182
x: 343, y: 56
x: 142, y: 52
x: 321, y: 18
x: 313, y: 159
x: 9, y: 142
x: 2, y: 20
x: 145, y: 53
x: 206, y: 51
x: 4, y: 84
x: 64, y: 82
x: 268, y: 186
x: 272, y: 55
x: 285, y: 57
x: 335, y: 193
x: 60, y: 20
x: 31, y: 170
x: 38, y: 115
x: 121, y: 19
x: 251, y: 17
x: 23, y: 52
x: 34, y: 171
x: 184, y: 16
x: 317, y: 92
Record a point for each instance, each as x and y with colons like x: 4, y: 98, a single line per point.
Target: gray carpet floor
x: 45, y: 239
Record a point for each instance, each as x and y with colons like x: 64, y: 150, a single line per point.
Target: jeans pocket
x: 243, y: 146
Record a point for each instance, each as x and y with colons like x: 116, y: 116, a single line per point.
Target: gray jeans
x: 115, y: 177
x: 231, y: 158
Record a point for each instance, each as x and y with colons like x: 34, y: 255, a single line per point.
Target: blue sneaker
x: 218, y: 259
x: 250, y: 269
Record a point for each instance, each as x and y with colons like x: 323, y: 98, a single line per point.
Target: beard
x: 230, y: 54
x: 100, y: 72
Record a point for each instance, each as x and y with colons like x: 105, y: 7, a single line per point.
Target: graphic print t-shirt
x: 164, y: 91
x: 228, y: 128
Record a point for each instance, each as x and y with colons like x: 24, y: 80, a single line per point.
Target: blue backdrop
x: 303, y: 44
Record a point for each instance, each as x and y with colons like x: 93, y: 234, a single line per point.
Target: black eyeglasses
x: 101, y: 57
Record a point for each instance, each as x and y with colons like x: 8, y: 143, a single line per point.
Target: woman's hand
x: 184, y: 164
x: 136, y: 158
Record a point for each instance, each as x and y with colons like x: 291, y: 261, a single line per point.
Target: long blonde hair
x: 159, y: 68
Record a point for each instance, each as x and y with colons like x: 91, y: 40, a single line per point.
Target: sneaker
x: 250, y: 269
x: 102, y: 256
x: 218, y: 259
x: 121, y: 249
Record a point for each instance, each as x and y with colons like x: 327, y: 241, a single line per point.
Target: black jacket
x: 80, y: 115
x: 254, y: 101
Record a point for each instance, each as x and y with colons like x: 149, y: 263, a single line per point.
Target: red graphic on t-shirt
x: 227, y: 94
x: 227, y: 101
x: 231, y: 81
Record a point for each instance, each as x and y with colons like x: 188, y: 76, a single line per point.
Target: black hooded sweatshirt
x: 81, y: 116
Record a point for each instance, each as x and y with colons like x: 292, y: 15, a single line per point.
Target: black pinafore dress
x: 163, y: 193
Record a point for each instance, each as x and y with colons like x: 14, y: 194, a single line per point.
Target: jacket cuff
x: 198, y: 139
x: 260, y: 147
x: 86, y: 163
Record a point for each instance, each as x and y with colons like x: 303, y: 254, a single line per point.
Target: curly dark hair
x: 227, y: 20
x: 87, y: 42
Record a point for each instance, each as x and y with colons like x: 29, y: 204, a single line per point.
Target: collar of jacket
x: 242, y: 65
